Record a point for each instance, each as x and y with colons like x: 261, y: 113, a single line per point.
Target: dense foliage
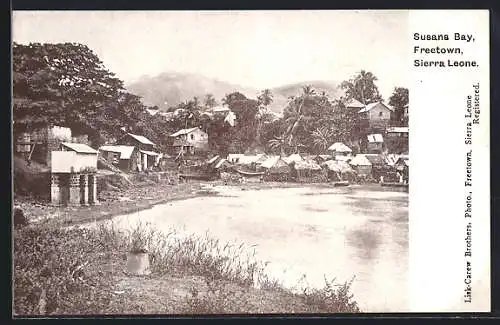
x: 66, y: 84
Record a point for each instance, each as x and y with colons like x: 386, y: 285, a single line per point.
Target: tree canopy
x: 67, y: 84
x: 399, y: 100
x: 362, y: 87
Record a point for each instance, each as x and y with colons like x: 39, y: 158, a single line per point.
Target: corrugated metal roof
x: 125, y: 151
x: 79, y: 147
x: 141, y: 139
x: 375, y: 138
x: 183, y: 131
x: 339, y: 147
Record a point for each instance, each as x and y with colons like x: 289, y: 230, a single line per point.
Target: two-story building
x: 190, y: 140
x: 377, y: 116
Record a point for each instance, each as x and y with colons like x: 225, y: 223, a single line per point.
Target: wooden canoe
x: 250, y: 174
x: 341, y: 183
x: 203, y: 177
x: 394, y: 184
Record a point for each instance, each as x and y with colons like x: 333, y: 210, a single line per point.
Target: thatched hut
x: 293, y: 158
x: 380, y: 167
x: 308, y: 171
x: 339, y: 170
x: 249, y: 162
x: 339, y: 149
x: 362, y: 166
x: 276, y: 169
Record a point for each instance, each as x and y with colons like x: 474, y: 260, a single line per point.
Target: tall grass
x: 67, y: 269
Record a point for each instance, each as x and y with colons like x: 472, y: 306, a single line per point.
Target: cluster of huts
x: 339, y: 165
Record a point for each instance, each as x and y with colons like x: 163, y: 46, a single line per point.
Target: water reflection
x: 325, y: 232
x: 365, y: 241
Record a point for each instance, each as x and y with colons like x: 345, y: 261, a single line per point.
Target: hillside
x: 173, y: 88
x: 282, y: 93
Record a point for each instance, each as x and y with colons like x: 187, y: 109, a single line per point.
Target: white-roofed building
x: 190, y: 140
x: 127, y: 158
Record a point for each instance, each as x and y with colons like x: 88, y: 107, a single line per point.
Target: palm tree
x: 322, y: 138
x: 264, y: 99
x: 296, y: 113
x: 279, y: 144
x: 364, y: 81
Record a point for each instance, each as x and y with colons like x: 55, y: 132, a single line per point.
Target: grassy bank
x: 81, y: 271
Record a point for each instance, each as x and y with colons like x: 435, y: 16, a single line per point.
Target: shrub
x: 57, y: 271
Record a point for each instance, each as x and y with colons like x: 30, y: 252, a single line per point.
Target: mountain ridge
x: 175, y: 87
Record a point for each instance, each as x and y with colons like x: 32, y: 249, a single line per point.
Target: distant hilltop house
x: 148, y: 156
x: 377, y: 116
x: 38, y: 142
x: 190, y: 140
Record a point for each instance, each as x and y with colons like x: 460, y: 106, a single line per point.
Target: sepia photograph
x: 210, y: 162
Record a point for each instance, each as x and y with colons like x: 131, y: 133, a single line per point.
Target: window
x: 380, y: 114
x: 192, y: 136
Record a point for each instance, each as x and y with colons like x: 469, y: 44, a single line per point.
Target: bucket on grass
x: 138, y: 262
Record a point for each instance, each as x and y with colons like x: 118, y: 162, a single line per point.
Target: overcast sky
x: 258, y: 49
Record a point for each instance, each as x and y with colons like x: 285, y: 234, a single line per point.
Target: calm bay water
x: 316, y: 232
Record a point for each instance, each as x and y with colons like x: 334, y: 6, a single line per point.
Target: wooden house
x: 190, y: 140
x: 149, y: 157
x: 377, y: 116
x: 126, y: 158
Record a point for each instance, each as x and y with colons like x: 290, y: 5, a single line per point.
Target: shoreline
x: 140, y: 198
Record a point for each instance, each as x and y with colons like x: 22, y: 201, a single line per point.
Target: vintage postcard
x: 250, y: 162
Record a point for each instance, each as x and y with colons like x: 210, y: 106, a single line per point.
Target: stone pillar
x: 84, y: 189
x: 55, y: 191
x: 74, y: 189
x: 93, y: 189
